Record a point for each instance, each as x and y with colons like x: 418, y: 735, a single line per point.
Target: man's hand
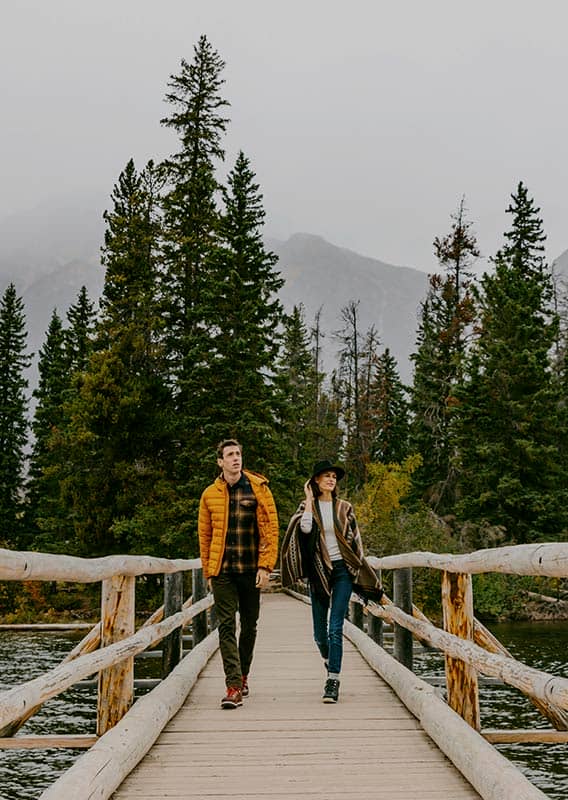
x: 262, y: 578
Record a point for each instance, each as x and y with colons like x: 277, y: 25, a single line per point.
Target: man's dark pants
x: 234, y: 592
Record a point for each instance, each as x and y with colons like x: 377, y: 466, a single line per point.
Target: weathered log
x: 461, y: 678
x: 491, y: 774
x: 98, y: 773
x: 545, y: 598
x: 116, y: 683
x: 16, y: 701
x: 521, y: 559
x: 531, y: 681
x: 28, y: 566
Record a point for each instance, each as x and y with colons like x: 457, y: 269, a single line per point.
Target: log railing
x: 109, y: 648
x: 469, y: 648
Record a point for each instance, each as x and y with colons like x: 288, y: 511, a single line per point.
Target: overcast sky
x: 365, y: 120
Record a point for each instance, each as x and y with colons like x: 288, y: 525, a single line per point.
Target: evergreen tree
x: 300, y: 435
x: 389, y: 412
x: 13, y: 408
x: 191, y: 215
x: 509, y: 426
x: 237, y: 392
x: 191, y: 218
x: 117, y: 445
x: 43, y: 487
x: 79, y: 333
x: 446, y: 316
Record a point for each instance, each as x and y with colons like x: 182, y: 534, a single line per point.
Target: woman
x: 323, y: 544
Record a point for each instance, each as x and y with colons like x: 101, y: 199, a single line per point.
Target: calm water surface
x: 25, y: 774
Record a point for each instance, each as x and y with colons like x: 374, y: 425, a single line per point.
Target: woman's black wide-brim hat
x: 327, y: 466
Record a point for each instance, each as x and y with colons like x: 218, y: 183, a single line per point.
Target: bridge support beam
x: 461, y: 678
x: 198, y: 591
x: 173, y: 601
x: 402, y: 597
x: 116, y: 684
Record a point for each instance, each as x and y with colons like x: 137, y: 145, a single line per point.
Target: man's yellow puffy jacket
x: 214, y: 520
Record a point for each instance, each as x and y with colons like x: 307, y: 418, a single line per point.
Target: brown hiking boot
x: 244, y: 686
x: 233, y: 697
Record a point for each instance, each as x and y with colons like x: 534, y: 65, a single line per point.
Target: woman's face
x: 326, y: 481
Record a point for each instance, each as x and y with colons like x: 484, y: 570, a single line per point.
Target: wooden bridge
x: 390, y: 736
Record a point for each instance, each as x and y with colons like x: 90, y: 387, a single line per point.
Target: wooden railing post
x: 375, y: 629
x: 402, y: 597
x: 198, y: 591
x: 116, y: 684
x: 173, y: 601
x: 461, y: 678
x: 356, y: 614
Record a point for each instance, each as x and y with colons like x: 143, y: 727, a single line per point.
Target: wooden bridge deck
x: 284, y: 743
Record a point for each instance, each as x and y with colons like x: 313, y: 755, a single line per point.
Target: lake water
x: 25, y: 774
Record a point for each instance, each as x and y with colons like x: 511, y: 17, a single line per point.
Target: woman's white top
x: 326, y: 508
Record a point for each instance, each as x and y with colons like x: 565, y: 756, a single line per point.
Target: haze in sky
x: 365, y: 121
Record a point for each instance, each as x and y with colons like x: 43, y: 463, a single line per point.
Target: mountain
x: 321, y: 275
x: 52, y: 251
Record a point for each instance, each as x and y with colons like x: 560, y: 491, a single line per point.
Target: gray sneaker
x: 331, y: 691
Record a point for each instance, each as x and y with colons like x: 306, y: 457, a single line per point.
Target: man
x: 238, y: 542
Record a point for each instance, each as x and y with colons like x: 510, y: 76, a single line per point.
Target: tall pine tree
x: 389, y: 412
x: 13, y: 415
x: 117, y: 447
x: 509, y: 426
x: 47, y: 423
x: 446, y: 317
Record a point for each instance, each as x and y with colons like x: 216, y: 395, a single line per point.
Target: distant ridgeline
x: 51, y: 253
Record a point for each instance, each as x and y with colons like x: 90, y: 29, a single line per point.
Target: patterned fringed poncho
x: 304, y: 555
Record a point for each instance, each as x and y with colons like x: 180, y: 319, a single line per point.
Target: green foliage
x: 13, y: 407
x: 388, y: 417
x: 509, y: 426
x: 498, y: 596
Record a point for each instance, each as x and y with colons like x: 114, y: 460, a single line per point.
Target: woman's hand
x: 309, y: 495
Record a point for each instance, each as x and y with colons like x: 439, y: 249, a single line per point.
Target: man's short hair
x: 227, y: 443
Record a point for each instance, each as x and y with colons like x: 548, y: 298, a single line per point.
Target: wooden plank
x: 47, y: 741
x: 539, y: 735
x: 47, y: 626
x: 284, y: 742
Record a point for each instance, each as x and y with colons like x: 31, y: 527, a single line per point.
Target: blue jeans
x: 329, y: 637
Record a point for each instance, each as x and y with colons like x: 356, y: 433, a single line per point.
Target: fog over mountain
x: 52, y: 251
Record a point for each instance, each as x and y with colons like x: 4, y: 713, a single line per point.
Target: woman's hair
x: 316, y: 491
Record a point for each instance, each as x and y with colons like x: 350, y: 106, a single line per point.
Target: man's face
x: 232, y: 461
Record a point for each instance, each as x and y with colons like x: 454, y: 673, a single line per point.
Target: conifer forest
x: 189, y: 344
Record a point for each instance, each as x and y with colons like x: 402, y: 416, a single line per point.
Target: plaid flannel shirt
x: 241, y: 547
